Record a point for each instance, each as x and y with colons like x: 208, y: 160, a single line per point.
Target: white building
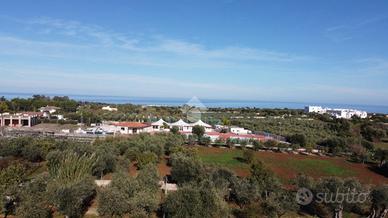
x: 48, y: 110
x: 337, y: 113
x: 160, y: 126
x: 25, y: 119
x: 315, y: 109
x: 182, y: 125
x: 132, y: 127
x: 239, y: 130
x: 347, y: 113
x: 208, y: 128
x: 108, y: 108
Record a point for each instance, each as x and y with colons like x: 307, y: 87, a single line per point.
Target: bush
x: 186, y: 169
x: 112, y: 202
x: 200, y: 201
x: 72, y: 200
x: 298, y: 139
x: 249, y: 156
x: 146, y: 158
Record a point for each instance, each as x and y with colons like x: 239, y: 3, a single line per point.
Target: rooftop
x: 132, y: 124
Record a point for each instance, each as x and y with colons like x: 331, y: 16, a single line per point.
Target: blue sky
x: 303, y: 51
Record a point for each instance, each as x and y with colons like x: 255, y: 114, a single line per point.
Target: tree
x: 379, y: 202
x: 34, y: 199
x: 192, y: 139
x: 72, y: 200
x: 148, y: 178
x: 32, y: 152
x: 105, y: 162
x: 257, y: 145
x: 136, y: 197
x: 334, y: 187
x: 298, y: 139
x: 334, y: 145
x: 199, y: 131
x: 146, y: 158
x: 225, y: 121
x: 174, y: 130
x: 372, y: 133
x: 3, y: 107
x: 382, y: 156
x: 186, y: 169
x: 197, y: 201
x: 10, y: 179
x: 278, y: 204
x: 249, y: 156
x: 243, y: 192
x: 71, y: 187
x: 270, y: 143
x: 205, y: 141
x: 360, y: 154
x: 264, y: 179
x: 112, y: 202
x: 144, y: 200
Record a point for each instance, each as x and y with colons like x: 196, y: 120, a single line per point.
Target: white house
x: 160, y: 126
x: 48, y: 110
x: 108, y: 108
x: 182, y: 125
x: 132, y: 127
x: 208, y: 128
x: 239, y: 130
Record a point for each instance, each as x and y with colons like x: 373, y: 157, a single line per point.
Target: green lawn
x: 320, y: 167
x: 229, y: 158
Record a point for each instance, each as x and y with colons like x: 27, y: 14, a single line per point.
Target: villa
x: 132, y: 127
x: 160, y: 126
x: 48, y: 110
x: 182, y: 125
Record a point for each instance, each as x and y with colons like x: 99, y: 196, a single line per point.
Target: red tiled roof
x: 132, y: 124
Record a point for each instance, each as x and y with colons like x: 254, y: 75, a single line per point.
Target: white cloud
x: 344, y: 32
x: 96, y: 36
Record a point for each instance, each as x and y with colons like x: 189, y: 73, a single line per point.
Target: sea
x: 210, y: 103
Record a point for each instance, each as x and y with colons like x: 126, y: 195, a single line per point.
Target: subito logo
x: 304, y: 196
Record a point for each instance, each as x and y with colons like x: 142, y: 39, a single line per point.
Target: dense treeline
x: 66, y: 182
x: 89, y: 112
x: 36, y: 102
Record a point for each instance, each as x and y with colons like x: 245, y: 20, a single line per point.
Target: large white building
x: 315, y: 109
x: 337, y: 113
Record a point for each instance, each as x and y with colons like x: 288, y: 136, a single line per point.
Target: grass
x: 309, y: 166
x: 229, y: 158
x: 382, y: 145
x: 37, y: 170
x: 315, y: 166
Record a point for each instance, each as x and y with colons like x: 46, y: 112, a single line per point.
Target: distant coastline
x: 211, y: 103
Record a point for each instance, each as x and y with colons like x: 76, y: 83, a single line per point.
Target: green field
x: 315, y: 166
x: 284, y: 165
x: 229, y: 158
